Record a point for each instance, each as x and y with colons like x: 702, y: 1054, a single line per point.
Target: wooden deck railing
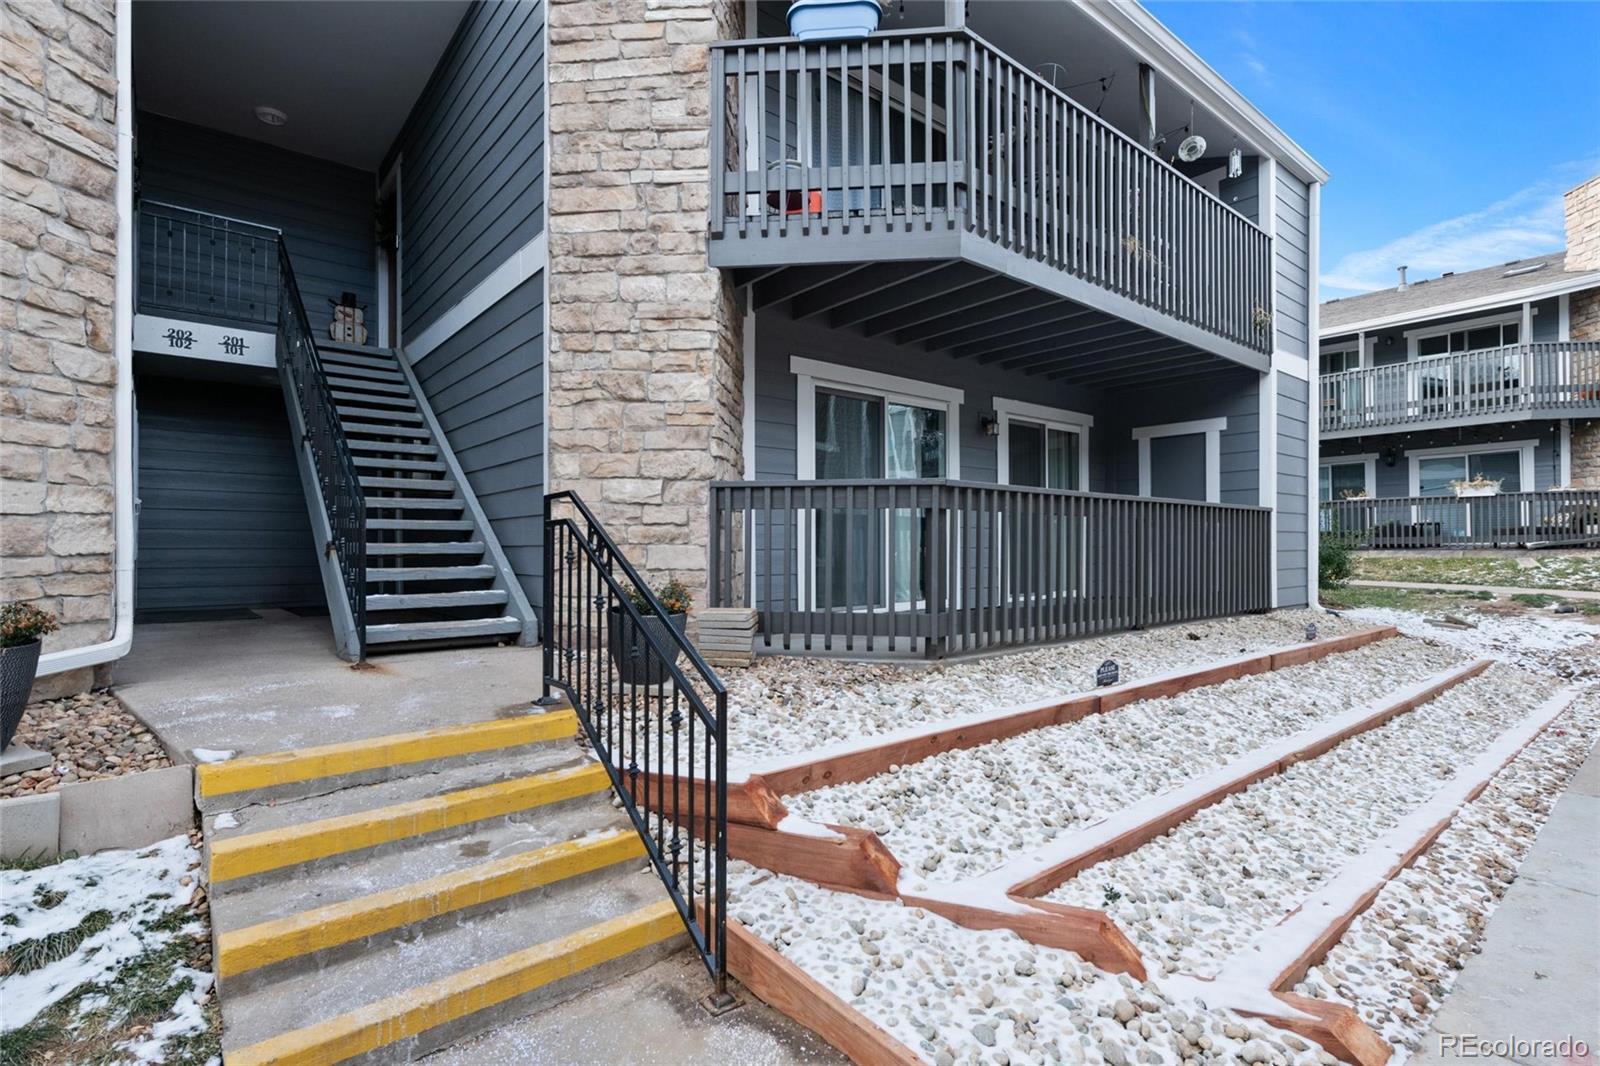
x: 914, y: 133
x: 1548, y: 376
x: 1509, y: 520
x: 941, y: 567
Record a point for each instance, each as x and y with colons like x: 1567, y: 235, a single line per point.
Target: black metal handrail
x: 305, y: 381
x: 197, y: 263
x: 618, y: 665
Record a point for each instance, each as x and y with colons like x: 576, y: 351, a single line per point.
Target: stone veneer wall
x: 646, y: 364
x: 58, y: 227
x: 1583, y: 316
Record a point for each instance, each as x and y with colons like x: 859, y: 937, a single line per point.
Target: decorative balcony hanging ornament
x: 1261, y: 318
x: 833, y: 20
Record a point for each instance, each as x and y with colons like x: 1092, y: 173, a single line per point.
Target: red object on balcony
x: 792, y: 206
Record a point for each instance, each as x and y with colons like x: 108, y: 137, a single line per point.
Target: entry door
x: 859, y: 438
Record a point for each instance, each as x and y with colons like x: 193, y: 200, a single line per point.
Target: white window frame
x: 1056, y: 418
x: 1360, y: 347
x: 1211, y: 427
x: 1526, y: 447
x: 1369, y: 462
x: 1415, y: 336
x: 811, y: 374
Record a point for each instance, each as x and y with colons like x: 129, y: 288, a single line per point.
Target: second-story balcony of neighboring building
x: 1519, y: 381
x: 922, y: 173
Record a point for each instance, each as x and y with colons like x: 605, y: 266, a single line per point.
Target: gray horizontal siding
x: 222, y: 521
x: 778, y: 338
x: 1396, y: 480
x: 472, y: 159
x: 1231, y: 394
x: 1294, y: 435
x: 324, y: 209
x: 1292, y: 271
x: 486, y: 386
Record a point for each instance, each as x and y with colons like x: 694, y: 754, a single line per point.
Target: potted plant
x: 635, y: 657
x: 22, y: 627
x: 833, y: 20
x: 1477, y: 485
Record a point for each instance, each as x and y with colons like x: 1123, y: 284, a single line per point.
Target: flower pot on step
x: 18, y: 667
x: 633, y: 654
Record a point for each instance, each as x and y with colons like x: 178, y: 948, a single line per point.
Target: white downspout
x: 1313, y: 407
x: 122, y: 457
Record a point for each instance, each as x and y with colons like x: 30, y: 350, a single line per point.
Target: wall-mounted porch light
x: 990, y: 425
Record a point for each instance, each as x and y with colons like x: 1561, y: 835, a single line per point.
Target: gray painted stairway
x: 434, y: 570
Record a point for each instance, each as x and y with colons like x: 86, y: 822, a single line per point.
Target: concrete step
x: 419, y: 601
x: 256, y: 777
x: 425, y: 547
x: 418, y: 996
x: 401, y: 632
x: 312, y: 933
x: 359, y: 825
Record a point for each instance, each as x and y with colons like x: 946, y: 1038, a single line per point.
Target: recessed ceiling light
x: 271, y: 116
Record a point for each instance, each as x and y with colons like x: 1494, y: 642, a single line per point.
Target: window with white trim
x: 1181, y: 460
x: 1042, y: 447
x: 1343, y: 480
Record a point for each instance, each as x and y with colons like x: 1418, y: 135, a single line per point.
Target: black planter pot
x: 18, y: 667
x: 636, y: 660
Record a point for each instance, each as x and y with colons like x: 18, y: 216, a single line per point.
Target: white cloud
x: 1528, y: 222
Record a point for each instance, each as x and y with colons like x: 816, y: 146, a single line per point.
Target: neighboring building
x: 635, y: 249
x: 1491, y: 374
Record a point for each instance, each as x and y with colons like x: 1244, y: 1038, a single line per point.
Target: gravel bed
x: 1399, y: 959
x: 786, y: 705
x: 963, y: 996
x: 1200, y: 893
x: 963, y: 813
x: 1565, y: 647
x: 89, y: 736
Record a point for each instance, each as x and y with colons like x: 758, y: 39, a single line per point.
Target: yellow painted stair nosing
x: 332, y: 760
x: 272, y: 849
x: 341, y: 923
x: 417, y: 1010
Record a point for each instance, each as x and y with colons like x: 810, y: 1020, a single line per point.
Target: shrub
x: 23, y: 623
x: 1336, y: 560
x: 673, y: 596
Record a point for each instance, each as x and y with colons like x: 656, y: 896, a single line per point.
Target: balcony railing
x: 194, y: 263
x: 1509, y: 520
x: 1517, y: 379
x: 941, y: 567
x: 915, y: 133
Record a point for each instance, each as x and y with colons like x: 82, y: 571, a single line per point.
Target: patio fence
x: 941, y: 567
x: 1509, y: 520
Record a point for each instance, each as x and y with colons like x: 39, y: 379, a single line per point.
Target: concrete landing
x: 274, y: 683
x: 651, y: 1017
x: 1536, y: 977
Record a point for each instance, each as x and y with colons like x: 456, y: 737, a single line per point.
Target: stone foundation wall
x: 646, y: 364
x: 58, y: 222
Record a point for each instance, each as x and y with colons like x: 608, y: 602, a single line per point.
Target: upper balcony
x: 1519, y: 381
x: 983, y: 185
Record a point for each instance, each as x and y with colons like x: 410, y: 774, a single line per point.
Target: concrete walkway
x: 1502, y: 591
x: 274, y: 683
x: 1536, y: 977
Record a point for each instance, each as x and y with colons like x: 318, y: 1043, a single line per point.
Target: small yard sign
x: 1107, y: 674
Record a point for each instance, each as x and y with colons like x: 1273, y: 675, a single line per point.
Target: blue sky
x: 1450, y: 129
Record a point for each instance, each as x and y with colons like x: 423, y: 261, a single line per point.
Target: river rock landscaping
x: 784, y: 705
x: 88, y: 736
x: 965, y: 812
